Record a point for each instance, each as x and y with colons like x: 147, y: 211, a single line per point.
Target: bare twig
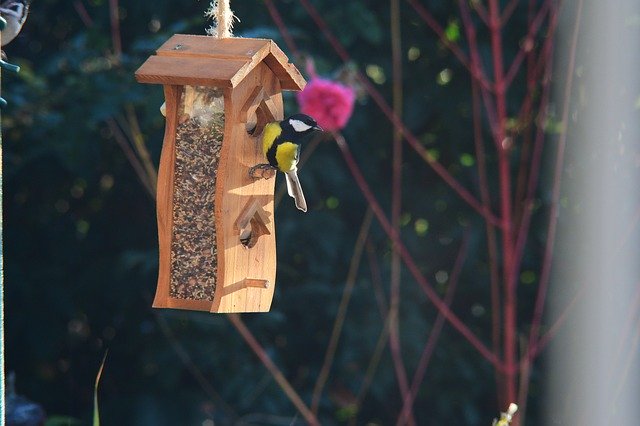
x: 508, y: 11
x: 376, y: 280
x: 408, y: 260
x: 371, y: 369
x: 523, y: 391
x: 536, y: 160
x: 411, y: 139
x: 396, y: 205
x: 193, y: 369
x: 286, y: 35
x: 476, y: 63
x: 83, y: 14
x: 121, y: 139
x: 504, y: 170
x: 429, y: 347
x: 116, y: 40
x: 480, y: 10
x: 140, y: 146
x: 492, y: 245
x: 553, y: 329
x: 557, y: 178
x: 524, y: 123
x: 482, y: 174
x: 527, y: 45
x: 342, y: 311
x: 273, y: 369
x: 455, y: 49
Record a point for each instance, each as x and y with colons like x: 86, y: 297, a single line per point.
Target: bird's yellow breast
x: 269, y: 135
x: 287, y: 156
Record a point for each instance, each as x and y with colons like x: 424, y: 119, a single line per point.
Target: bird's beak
x: 318, y: 128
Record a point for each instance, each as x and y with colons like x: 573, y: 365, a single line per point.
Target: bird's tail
x: 295, y: 190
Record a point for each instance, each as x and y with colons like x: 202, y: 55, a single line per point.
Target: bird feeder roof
x: 207, y: 61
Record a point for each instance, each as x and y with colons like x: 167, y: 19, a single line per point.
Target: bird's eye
x: 16, y: 7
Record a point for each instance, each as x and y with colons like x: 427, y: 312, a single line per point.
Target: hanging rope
x: 222, y: 15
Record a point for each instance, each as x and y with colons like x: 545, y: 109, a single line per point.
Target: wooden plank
x: 249, y: 282
x: 164, y: 197
x: 278, y: 62
x: 234, y: 189
x: 252, y: 102
x: 246, y: 214
x: 191, y: 305
x: 193, y: 45
x: 189, y: 71
x: 203, y: 60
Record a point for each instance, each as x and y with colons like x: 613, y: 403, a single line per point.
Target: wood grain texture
x: 164, y: 197
x: 237, y: 192
x: 207, y: 61
x: 278, y: 62
x: 190, y: 71
x: 192, y: 45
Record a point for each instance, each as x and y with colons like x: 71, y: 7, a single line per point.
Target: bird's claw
x: 9, y: 67
x: 262, y: 171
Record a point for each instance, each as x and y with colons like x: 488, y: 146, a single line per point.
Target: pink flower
x: 328, y: 102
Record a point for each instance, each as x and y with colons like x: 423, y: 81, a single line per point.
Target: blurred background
x: 80, y: 231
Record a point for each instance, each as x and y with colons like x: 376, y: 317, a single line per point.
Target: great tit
x: 281, y: 142
x: 15, y: 13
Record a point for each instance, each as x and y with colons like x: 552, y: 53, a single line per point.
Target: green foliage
x: 452, y: 31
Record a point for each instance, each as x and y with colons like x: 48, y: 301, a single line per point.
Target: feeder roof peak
x: 208, y: 61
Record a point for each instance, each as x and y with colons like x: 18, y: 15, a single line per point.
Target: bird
x: 15, y: 13
x: 281, y: 141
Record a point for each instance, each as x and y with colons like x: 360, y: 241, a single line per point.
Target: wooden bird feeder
x: 216, y: 223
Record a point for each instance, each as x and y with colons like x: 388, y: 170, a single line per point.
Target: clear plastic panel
x: 199, y: 137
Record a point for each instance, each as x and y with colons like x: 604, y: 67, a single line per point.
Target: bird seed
x: 197, y: 148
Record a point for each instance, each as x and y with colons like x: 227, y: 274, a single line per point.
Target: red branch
x: 476, y: 63
x: 557, y: 178
x: 83, y: 14
x: 508, y: 11
x: 408, y: 260
x: 114, y: 14
x: 528, y: 42
x: 481, y: 11
x: 455, y: 49
x: 536, y: 160
x: 273, y: 369
x: 386, y: 109
x: 396, y: 204
x: 277, y: 19
x: 492, y: 245
x: 510, y: 300
x: 429, y: 347
x: 341, y: 315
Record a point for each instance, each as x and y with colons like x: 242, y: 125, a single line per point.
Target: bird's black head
x: 17, y: 8
x: 301, y: 124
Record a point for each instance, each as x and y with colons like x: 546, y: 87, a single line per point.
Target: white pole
x: 594, y: 373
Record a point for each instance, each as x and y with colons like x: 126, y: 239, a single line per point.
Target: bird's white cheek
x: 299, y: 126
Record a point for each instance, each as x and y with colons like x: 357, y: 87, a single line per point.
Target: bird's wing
x: 297, y: 156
